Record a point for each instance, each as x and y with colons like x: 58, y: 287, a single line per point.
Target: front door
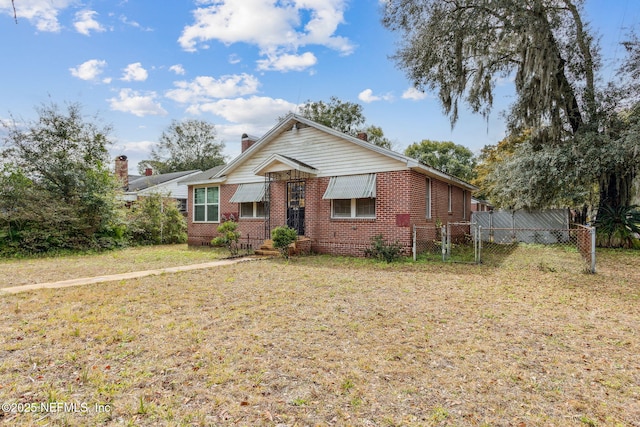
x: 295, y: 206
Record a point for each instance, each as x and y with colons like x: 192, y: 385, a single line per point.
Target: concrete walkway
x: 121, y: 276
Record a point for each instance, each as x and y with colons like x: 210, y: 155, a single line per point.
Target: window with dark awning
x: 351, y: 187
x: 253, y: 192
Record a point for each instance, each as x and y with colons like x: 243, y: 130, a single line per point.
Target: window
x: 464, y: 204
x: 206, y: 204
x: 182, y: 205
x: 342, y: 208
x: 449, y: 197
x: 352, y: 196
x: 354, y: 208
x: 428, y: 211
x: 252, y: 210
x: 251, y: 198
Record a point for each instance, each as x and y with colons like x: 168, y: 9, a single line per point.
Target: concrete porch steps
x: 267, y: 249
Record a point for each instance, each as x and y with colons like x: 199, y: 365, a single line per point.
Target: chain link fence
x: 545, y: 249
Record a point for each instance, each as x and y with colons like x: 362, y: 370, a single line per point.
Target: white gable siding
x: 330, y: 155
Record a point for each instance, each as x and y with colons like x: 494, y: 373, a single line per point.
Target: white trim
x: 354, y: 210
x: 254, y: 211
x: 205, y: 204
x: 287, y: 164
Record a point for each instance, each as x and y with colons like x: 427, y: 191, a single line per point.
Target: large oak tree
x: 460, y: 48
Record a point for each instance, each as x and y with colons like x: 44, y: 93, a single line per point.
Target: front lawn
x: 17, y: 272
x: 331, y: 341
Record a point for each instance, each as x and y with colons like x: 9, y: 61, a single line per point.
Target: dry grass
x: 332, y: 341
x: 43, y: 270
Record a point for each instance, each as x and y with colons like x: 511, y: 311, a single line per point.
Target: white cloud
x: 275, y: 27
x: 367, y: 96
x: 135, y: 72
x: 206, y: 88
x: 234, y: 59
x: 133, y: 24
x: 89, y: 70
x: 41, y: 13
x: 133, y: 146
x: 85, y: 23
x: 130, y: 101
x: 288, y: 62
x: 414, y: 94
x: 260, y: 112
x: 178, y: 69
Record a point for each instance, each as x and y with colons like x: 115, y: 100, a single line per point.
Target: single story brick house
x: 337, y: 190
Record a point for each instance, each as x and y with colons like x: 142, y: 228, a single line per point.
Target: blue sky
x: 239, y: 64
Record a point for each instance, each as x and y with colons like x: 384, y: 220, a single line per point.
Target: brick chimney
x: 363, y: 136
x: 247, y: 142
x: 148, y: 172
x: 122, y: 171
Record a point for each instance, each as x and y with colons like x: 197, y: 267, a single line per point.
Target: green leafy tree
x: 461, y: 48
x: 375, y: 135
x: 58, y: 192
x: 346, y: 117
x: 454, y: 159
x: 186, y: 145
x: 156, y: 220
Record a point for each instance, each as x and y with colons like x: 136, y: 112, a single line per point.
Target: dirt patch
x: 331, y: 341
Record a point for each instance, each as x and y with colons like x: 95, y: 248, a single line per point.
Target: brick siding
x: 400, y: 203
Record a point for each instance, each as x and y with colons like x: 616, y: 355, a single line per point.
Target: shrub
x: 156, y: 220
x: 617, y: 227
x: 382, y: 250
x: 229, y: 236
x: 282, y: 237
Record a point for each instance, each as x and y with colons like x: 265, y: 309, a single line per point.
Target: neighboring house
x: 478, y: 205
x: 337, y: 190
x: 167, y: 184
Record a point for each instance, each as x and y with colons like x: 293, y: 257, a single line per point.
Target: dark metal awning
x: 253, y: 192
x: 351, y: 187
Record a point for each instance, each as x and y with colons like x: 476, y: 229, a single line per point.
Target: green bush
x: 229, y: 236
x: 282, y: 237
x: 617, y: 227
x: 382, y: 250
x: 154, y: 220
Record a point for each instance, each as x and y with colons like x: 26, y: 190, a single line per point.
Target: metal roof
x: 351, y: 187
x: 253, y: 192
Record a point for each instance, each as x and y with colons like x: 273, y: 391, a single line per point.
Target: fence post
x: 448, y: 241
x: 443, y: 238
x: 593, y: 250
x: 478, y: 234
x: 413, y: 246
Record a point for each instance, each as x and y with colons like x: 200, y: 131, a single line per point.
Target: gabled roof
x: 203, y: 177
x: 144, y: 182
x: 277, y: 161
x: 288, y: 122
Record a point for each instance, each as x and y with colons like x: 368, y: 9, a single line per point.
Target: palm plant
x: 617, y: 227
